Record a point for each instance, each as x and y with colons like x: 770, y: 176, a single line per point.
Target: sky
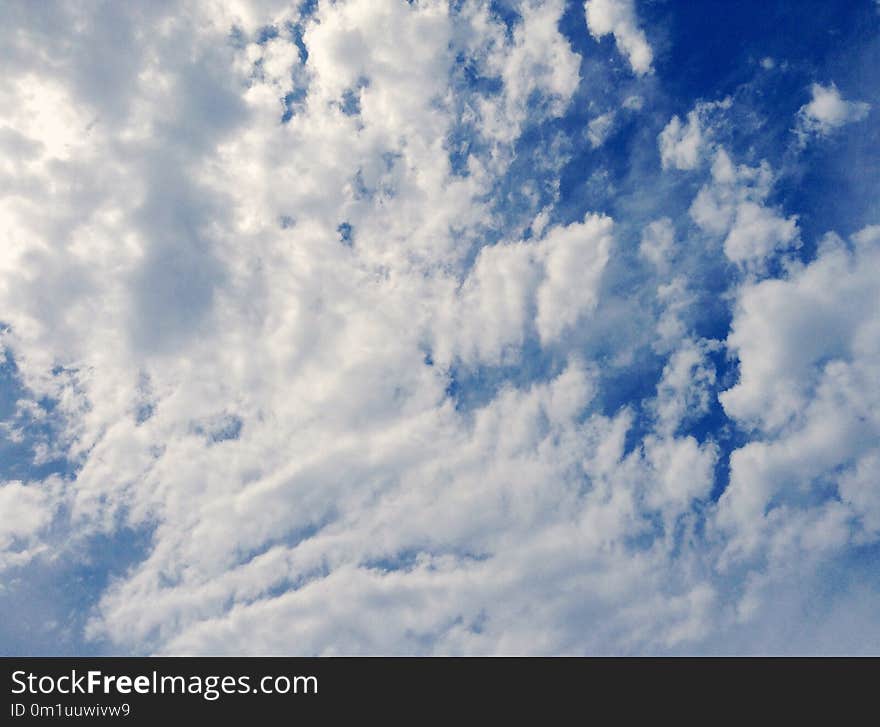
x: 440, y: 327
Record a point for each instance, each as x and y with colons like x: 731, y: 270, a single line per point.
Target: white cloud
x: 258, y: 393
x: 575, y: 258
x: 492, y: 312
x: 683, y: 146
x: 517, y: 288
x: 733, y: 205
x: 827, y: 111
x: 807, y: 348
x: 658, y: 243
x: 686, y: 472
x: 335, y: 378
x: 685, y: 388
x: 618, y: 17
x: 858, y: 488
x: 757, y: 231
x: 27, y: 509
x: 600, y: 128
x: 539, y: 60
x: 680, y: 143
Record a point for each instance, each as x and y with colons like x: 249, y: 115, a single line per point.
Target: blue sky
x: 440, y: 327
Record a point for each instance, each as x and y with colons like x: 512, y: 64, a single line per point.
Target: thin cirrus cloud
x: 367, y: 327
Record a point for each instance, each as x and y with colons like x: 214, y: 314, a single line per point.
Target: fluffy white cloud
x: 235, y: 373
x: 808, y: 352
x: 684, y: 145
x: 828, y: 110
x: 491, y: 315
x: 496, y: 512
x: 733, y: 205
x: 519, y: 288
x: 680, y: 143
x: 277, y: 292
x: 537, y: 62
x: 618, y: 17
x: 757, y: 231
x: 574, y: 258
x: 685, y: 388
x: 27, y: 509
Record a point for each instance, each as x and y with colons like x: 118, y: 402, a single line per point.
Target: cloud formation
x: 355, y: 327
x: 618, y: 18
x: 828, y: 110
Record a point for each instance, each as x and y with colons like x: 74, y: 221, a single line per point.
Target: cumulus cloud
x: 683, y: 145
x: 299, y: 312
x: 807, y: 347
x: 733, y: 205
x: 520, y: 288
x: 618, y: 18
x: 27, y: 511
x: 233, y: 373
x: 680, y: 143
x: 574, y: 260
x: 827, y: 111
